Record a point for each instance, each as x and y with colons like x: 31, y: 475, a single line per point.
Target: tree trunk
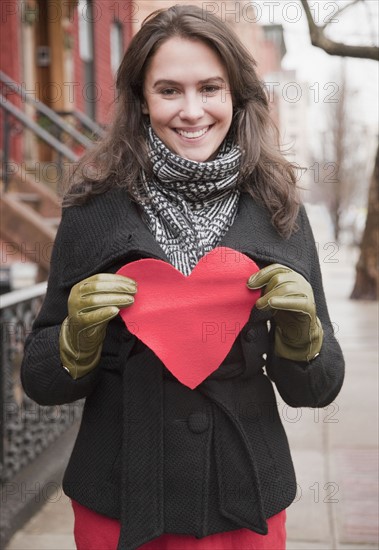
x: 367, y: 270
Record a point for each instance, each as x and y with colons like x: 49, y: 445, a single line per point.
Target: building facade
x: 64, y: 53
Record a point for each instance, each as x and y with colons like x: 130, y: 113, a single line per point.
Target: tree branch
x: 331, y: 47
x: 339, y: 11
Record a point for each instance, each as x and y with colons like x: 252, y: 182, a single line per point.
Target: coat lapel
x: 253, y: 234
x: 102, y: 235
x: 142, y: 240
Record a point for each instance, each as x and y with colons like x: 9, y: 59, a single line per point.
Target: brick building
x: 64, y: 53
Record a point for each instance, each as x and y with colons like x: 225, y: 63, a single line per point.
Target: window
x: 85, y: 31
x: 86, y: 52
x: 117, y: 45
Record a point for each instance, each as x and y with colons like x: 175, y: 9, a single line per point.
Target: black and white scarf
x: 190, y: 204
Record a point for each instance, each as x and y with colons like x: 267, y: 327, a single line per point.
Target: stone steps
x: 30, y: 214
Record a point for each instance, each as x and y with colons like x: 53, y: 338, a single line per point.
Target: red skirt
x: 93, y: 531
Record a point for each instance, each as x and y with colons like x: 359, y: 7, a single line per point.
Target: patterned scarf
x: 190, y: 205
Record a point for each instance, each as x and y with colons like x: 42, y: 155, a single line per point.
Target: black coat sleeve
x: 317, y: 383
x: 42, y: 375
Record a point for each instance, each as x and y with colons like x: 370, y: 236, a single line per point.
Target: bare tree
x: 320, y: 40
x: 366, y: 281
x: 342, y: 165
x: 367, y: 270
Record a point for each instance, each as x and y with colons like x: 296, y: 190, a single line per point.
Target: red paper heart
x: 191, y: 322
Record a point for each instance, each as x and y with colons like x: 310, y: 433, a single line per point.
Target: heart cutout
x: 191, y: 322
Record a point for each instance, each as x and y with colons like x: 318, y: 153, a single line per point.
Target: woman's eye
x: 210, y: 89
x: 169, y: 91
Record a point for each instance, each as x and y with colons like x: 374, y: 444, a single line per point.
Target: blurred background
x: 58, y: 62
x: 319, y: 62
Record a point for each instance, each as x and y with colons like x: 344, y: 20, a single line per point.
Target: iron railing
x: 59, y: 126
x: 44, y: 109
x: 27, y: 429
x: 88, y: 123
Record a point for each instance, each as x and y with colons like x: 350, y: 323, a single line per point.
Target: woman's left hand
x: 299, y: 333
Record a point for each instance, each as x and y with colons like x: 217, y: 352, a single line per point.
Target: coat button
x: 198, y: 422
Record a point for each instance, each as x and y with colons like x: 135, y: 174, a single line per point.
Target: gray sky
x: 359, y: 25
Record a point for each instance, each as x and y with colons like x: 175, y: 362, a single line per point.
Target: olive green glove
x: 299, y: 333
x: 92, y: 303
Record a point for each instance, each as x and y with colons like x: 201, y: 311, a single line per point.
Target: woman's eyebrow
x: 212, y: 79
x: 174, y: 82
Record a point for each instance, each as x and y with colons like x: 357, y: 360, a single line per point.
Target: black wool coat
x: 161, y: 457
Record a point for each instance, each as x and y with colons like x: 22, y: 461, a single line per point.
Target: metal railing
x: 45, y: 110
x: 88, y: 123
x: 27, y: 429
x: 11, y: 110
x: 58, y: 124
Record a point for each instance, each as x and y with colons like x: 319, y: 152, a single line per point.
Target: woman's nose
x: 192, y: 107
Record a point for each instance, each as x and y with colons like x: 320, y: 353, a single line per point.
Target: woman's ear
x: 144, y: 108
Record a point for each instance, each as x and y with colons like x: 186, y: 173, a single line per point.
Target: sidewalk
x: 334, y: 449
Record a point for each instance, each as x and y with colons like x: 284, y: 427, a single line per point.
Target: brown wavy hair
x: 117, y: 159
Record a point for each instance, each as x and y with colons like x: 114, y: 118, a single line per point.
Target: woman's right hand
x: 92, y: 303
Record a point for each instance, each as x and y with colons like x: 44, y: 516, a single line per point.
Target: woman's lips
x: 193, y: 134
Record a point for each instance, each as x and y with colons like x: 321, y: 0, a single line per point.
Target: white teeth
x: 197, y: 134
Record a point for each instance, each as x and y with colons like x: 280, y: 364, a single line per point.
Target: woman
x: 189, y: 164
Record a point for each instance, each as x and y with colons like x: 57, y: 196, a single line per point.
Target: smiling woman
x: 190, y: 167
x: 120, y: 158
x: 189, y: 111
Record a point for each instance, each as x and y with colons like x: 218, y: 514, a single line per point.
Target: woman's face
x: 187, y: 96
